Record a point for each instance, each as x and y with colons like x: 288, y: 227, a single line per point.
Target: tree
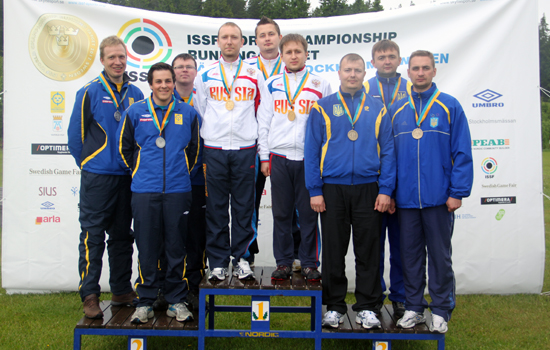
x: 331, y: 8
x: 544, y: 56
x: 376, y: 6
x: 238, y: 8
x: 359, y: 6
x: 216, y: 8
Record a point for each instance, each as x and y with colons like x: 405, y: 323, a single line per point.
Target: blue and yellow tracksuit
x: 350, y: 175
x: 105, y: 186
x: 429, y: 171
x: 390, y: 91
x: 161, y: 187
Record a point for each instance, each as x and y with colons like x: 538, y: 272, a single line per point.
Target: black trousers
x: 105, y: 207
x: 351, y: 207
x: 161, y: 217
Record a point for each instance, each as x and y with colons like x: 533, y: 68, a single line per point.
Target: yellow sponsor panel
x: 178, y: 119
x: 57, y: 101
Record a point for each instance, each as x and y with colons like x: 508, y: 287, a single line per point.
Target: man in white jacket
x: 226, y: 94
x: 287, y: 100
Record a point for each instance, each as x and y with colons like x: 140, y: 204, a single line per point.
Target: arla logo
x: 489, y: 167
x: 47, y: 219
x: 487, y: 96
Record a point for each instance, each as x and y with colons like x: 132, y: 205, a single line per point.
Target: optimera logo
x: 147, y: 42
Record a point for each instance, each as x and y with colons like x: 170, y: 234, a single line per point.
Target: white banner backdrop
x: 486, y: 55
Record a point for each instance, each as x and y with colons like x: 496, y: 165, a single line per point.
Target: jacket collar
x: 356, y: 95
x: 389, y: 81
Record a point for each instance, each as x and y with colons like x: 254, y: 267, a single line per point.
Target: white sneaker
x: 367, y: 319
x: 242, y: 270
x: 180, y: 312
x: 142, y: 314
x: 332, y: 319
x: 296, y: 265
x: 438, y: 324
x: 411, y: 319
x: 218, y: 273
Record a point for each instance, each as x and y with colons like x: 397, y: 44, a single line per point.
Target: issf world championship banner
x: 52, y: 50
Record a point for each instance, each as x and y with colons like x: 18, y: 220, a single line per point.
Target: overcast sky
x: 544, y: 5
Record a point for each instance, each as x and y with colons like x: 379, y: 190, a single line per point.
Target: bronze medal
x: 229, y: 105
x: 160, y: 142
x: 291, y: 115
x: 353, y: 135
x: 417, y: 133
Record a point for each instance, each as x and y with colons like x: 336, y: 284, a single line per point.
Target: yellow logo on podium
x: 57, y: 101
x: 260, y: 311
x: 137, y: 343
x: 381, y: 345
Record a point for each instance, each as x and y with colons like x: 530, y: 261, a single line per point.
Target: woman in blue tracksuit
x: 159, y: 141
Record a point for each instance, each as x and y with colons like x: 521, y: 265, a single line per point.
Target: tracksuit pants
x: 161, y: 217
x: 196, y: 239
x: 347, y: 207
x: 397, y: 286
x: 230, y: 177
x: 288, y: 194
x: 428, y: 229
x: 105, y: 207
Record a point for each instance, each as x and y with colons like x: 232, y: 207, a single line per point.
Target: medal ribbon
x: 264, y: 71
x: 189, y: 100
x: 346, y: 109
x: 298, y: 89
x: 224, y: 79
x: 154, y: 114
x: 394, y: 93
x: 426, y: 108
x: 107, y: 88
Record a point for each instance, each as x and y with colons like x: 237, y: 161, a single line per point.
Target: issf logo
x: 489, y: 166
x: 147, y: 42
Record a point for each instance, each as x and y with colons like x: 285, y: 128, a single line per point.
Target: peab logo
x: 488, y: 96
x: 487, y: 144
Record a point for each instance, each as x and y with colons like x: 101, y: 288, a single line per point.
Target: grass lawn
x: 479, y: 322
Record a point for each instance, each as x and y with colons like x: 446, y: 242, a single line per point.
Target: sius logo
x: 47, y: 191
x: 47, y: 206
x: 498, y: 200
x: 488, y: 96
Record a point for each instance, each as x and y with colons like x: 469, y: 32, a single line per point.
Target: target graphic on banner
x: 147, y: 42
x: 489, y: 165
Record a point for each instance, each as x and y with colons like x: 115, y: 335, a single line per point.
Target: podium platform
x: 116, y: 320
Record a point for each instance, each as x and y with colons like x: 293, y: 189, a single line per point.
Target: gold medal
x: 353, y: 135
x: 291, y: 115
x: 417, y: 133
x: 229, y: 105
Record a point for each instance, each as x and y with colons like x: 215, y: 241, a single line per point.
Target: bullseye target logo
x: 147, y: 43
x: 489, y: 166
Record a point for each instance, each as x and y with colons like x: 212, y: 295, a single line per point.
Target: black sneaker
x: 398, y: 309
x: 160, y: 304
x: 311, y: 273
x: 282, y: 273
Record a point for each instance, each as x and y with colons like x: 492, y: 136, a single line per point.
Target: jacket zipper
x: 418, y: 154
